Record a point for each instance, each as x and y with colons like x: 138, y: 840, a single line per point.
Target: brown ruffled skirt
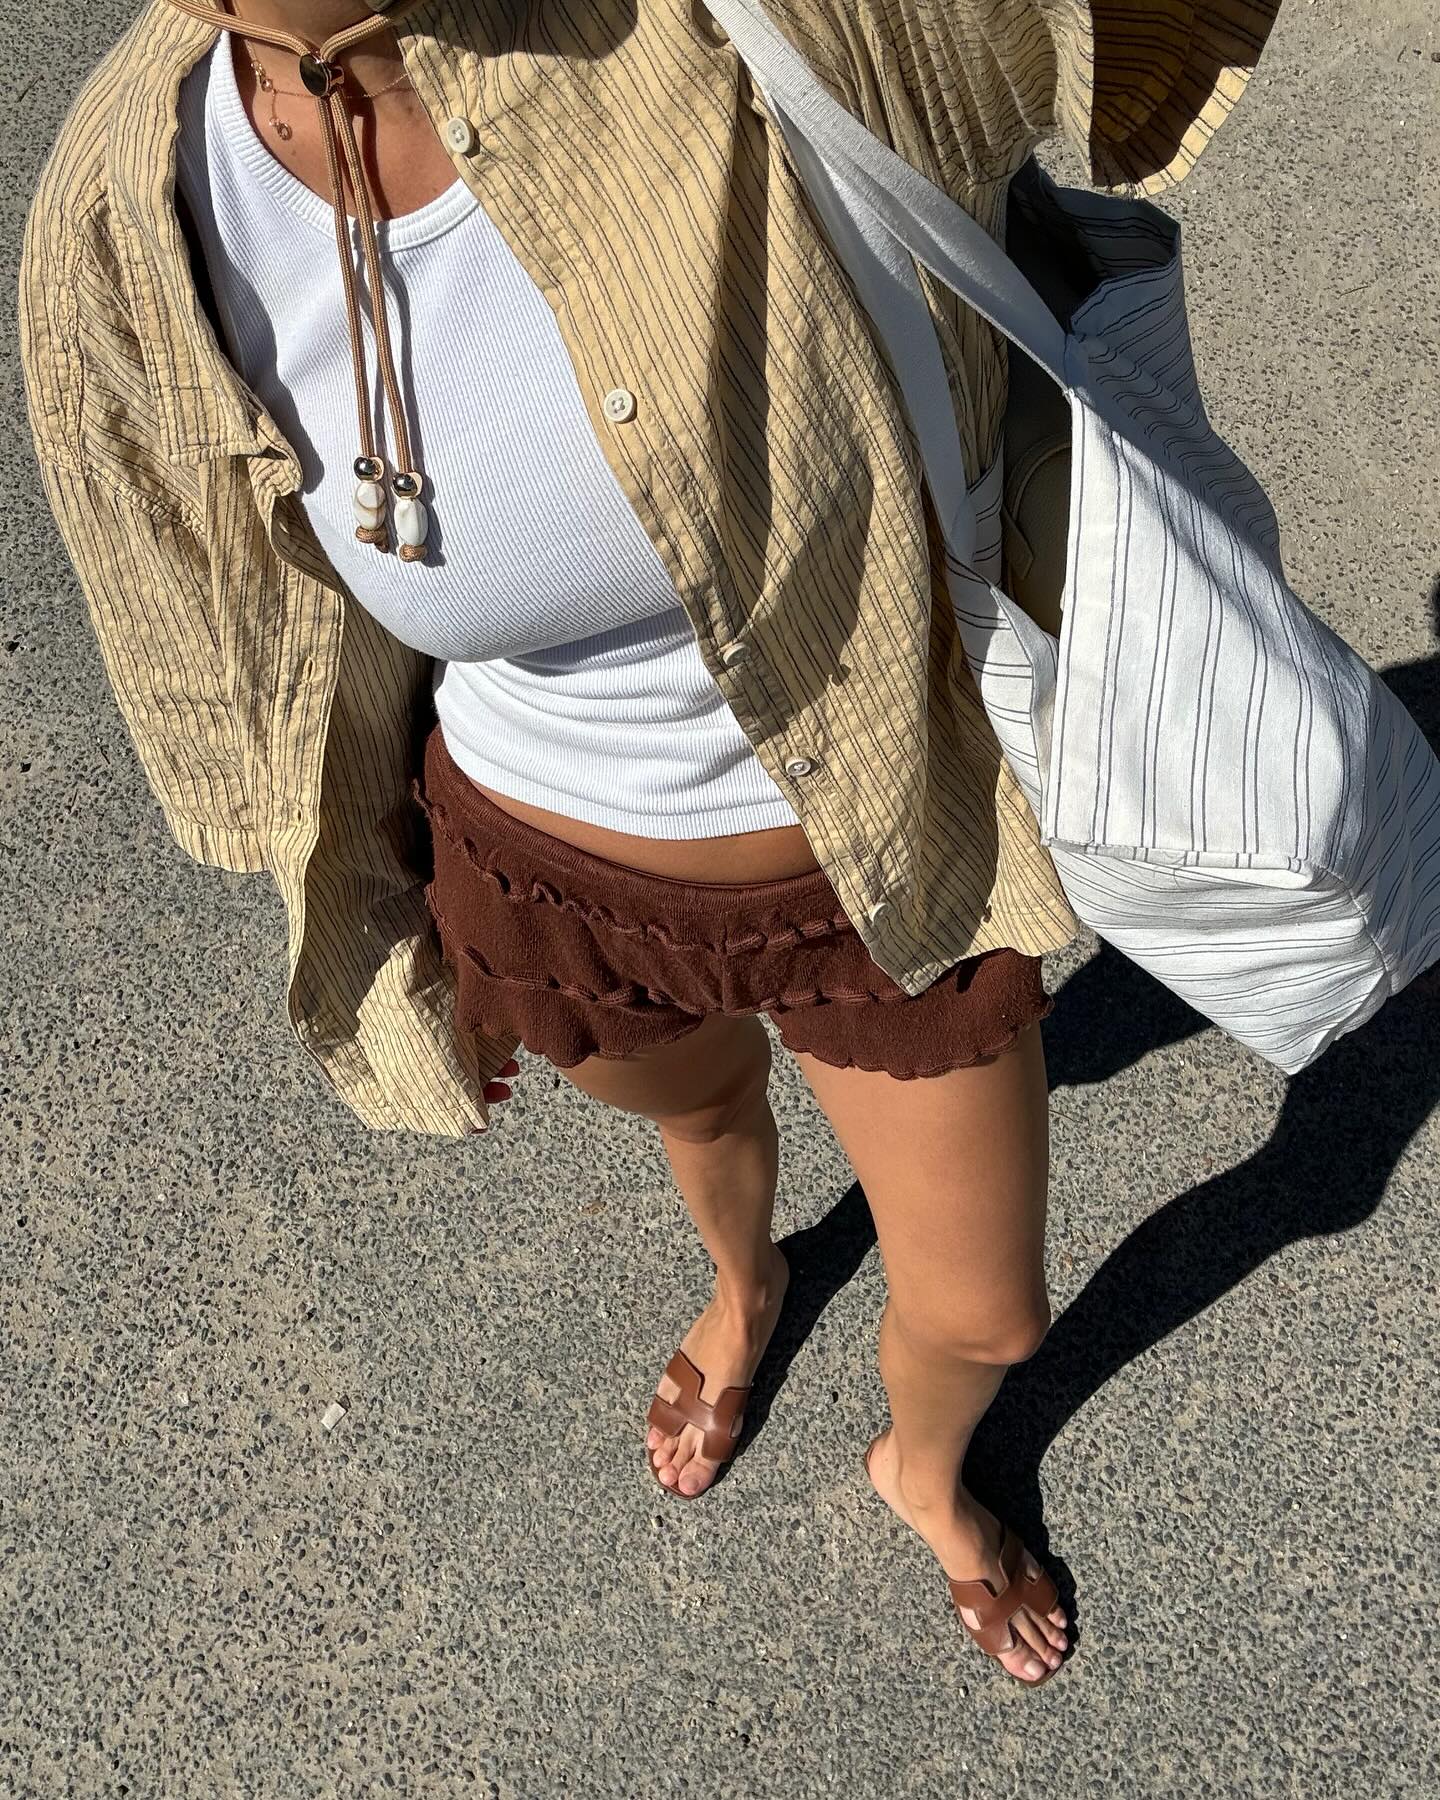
x: 578, y: 956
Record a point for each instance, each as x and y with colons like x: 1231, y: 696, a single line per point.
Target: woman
x: 616, y: 479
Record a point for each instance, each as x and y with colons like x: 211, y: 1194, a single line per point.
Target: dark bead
x: 406, y: 486
x: 369, y: 468
x: 320, y: 77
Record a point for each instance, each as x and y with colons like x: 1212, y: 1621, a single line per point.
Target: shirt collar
x: 204, y: 410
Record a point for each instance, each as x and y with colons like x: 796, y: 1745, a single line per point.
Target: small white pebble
x: 334, y: 1413
x: 181, y: 1397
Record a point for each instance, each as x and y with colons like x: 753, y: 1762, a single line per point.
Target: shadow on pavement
x: 823, y: 1257
x: 1343, y: 1127
x: 1344, y: 1124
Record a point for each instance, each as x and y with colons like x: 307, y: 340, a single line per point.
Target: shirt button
x: 619, y: 405
x: 732, y: 655
x: 798, y: 766
x: 460, y: 136
x: 881, y: 913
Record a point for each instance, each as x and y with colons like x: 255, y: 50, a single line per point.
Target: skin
x: 955, y: 1167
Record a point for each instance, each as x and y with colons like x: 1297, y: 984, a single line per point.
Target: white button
x: 619, y: 405
x: 460, y: 136
x: 732, y: 655
x: 881, y: 913
x: 798, y: 766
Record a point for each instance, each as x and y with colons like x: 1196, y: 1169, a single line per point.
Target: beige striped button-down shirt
x: 623, y: 155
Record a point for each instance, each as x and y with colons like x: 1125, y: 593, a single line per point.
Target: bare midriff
x: 741, y: 857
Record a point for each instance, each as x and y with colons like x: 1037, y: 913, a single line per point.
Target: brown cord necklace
x: 323, y: 79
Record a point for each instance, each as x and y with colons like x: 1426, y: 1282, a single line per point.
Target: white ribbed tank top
x: 567, y: 672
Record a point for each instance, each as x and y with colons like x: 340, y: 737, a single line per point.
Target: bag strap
x: 884, y: 217
x: 932, y: 227
x: 884, y: 275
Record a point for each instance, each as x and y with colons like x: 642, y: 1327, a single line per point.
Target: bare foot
x: 726, y: 1342
x: 965, y: 1536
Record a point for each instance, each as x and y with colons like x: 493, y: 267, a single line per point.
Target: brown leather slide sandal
x: 1022, y: 1592
x: 994, y: 1634
x: 719, y: 1421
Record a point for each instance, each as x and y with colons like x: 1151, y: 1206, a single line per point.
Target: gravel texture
x: 469, y: 1584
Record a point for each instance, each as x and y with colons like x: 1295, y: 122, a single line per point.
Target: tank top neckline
x: 227, y: 112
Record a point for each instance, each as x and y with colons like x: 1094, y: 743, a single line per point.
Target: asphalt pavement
x: 469, y: 1584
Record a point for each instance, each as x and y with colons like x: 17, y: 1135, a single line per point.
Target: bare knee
x: 741, y: 1093
x: 1003, y: 1331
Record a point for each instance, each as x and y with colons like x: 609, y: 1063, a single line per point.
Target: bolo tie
x: 322, y: 76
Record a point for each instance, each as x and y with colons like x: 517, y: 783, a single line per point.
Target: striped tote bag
x: 1231, y: 796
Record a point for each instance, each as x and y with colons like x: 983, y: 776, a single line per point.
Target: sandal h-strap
x: 717, y: 1421
x: 994, y: 1611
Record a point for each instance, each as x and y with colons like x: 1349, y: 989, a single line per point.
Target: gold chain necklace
x: 284, y: 131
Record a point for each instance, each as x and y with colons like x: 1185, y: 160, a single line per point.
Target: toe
x: 696, y: 1476
x: 1050, y: 1627
x: 1032, y: 1634
x: 1020, y: 1659
x: 686, y: 1445
x: 1028, y: 1656
x: 1044, y: 1639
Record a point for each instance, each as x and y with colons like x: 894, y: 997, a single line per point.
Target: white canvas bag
x: 1230, y: 795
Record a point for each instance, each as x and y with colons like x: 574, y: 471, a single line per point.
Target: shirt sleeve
x: 1140, y: 87
x: 143, y: 570
x: 146, y: 583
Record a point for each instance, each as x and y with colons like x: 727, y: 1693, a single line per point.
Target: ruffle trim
x: 597, y: 913
x: 582, y: 1044
x: 632, y: 993
x: 634, y: 997
x: 997, y: 1047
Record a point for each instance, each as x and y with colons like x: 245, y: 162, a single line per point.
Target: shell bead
x: 369, y: 503
x: 411, y: 521
x: 369, y: 507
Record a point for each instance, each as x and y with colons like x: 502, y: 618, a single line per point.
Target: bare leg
x: 707, y: 1095
x: 955, y: 1168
